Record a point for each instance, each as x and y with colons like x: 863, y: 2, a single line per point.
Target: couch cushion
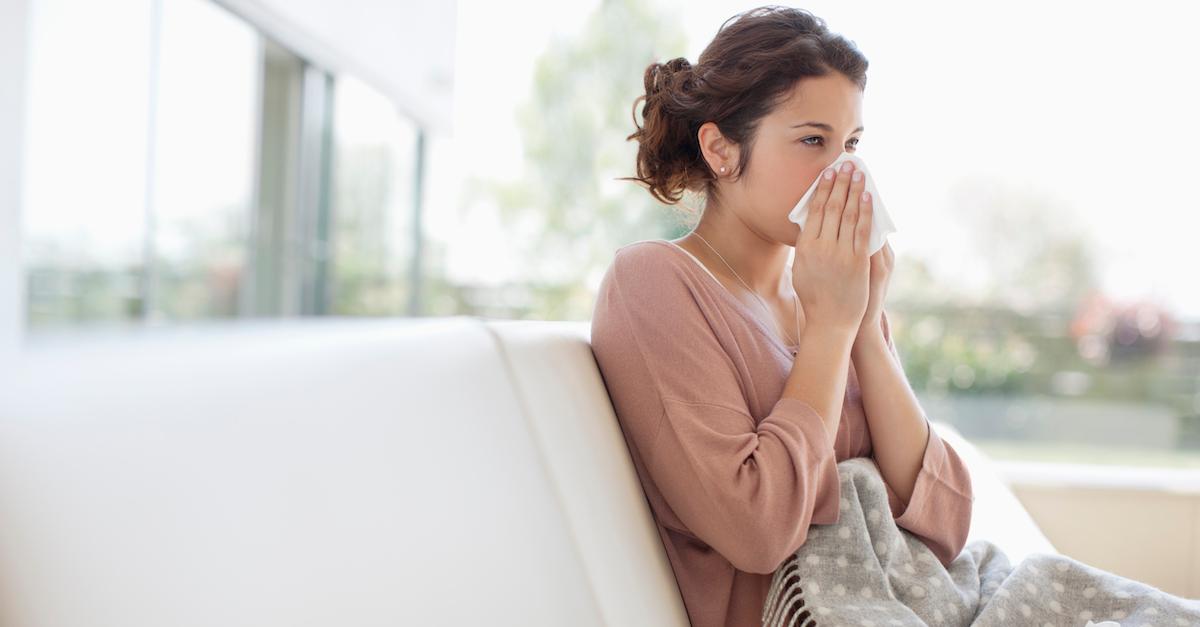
x: 319, y: 472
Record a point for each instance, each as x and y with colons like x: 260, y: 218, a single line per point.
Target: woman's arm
x: 899, y: 431
x: 928, y: 483
x: 818, y: 376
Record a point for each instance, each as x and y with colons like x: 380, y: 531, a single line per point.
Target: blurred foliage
x: 959, y: 358
x: 200, y: 278
x: 568, y: 207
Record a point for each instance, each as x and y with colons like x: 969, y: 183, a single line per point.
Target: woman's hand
x: 871, y: 329
x: 831, y: 270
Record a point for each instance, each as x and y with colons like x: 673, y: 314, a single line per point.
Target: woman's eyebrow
x: 823, y: 126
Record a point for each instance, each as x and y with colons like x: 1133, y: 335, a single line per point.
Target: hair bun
x: 674, y: 74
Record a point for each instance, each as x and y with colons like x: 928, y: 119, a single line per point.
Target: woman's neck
x: 760, y: 262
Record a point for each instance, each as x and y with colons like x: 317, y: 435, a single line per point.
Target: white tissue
x: 881, y: 222
x: 1107, y: 623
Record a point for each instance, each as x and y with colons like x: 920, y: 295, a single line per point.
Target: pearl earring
x: 722, y: 169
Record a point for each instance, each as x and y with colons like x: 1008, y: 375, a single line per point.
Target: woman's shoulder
x: 651, y: 273
x: 647, y: 249
x: 647, y: 274
x: 649, y: 259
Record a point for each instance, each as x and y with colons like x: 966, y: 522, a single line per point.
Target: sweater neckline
x: 743, y: 308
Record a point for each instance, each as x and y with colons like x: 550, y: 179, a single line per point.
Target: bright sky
x: 1091, y: 104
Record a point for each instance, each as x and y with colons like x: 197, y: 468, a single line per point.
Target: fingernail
x: 846, y: 166
x: 866, y: 196
x: 857, y: 176
x: 828, y: 173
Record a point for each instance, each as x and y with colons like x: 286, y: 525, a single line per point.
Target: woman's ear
x: 718, y: 152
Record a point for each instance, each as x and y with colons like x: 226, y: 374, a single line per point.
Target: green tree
x: 567, y: 212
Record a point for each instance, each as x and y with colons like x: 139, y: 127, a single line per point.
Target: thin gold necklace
x: 764, y: 303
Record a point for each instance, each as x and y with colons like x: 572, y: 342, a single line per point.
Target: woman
x: 740, y: 380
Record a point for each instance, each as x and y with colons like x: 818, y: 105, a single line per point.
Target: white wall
x: 14, y: 37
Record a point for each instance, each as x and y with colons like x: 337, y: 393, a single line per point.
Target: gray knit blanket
x: 864, y: 570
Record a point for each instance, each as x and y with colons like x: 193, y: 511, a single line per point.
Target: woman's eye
x: 822, y: 139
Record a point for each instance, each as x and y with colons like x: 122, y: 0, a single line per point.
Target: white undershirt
x: 693, y: 258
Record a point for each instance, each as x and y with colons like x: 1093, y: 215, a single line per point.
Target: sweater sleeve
x: 749, y: 491
x: 939, y: 511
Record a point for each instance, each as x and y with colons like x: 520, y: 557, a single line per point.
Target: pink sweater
x: 734, y: 473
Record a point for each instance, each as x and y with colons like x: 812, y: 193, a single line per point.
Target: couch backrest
x: 357, y: 472
x: 572, y: 420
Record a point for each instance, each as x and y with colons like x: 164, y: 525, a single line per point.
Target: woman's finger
x: 816, y: 204
x: 862, y: 237
x: 850, y: 214
x: 836, y: 202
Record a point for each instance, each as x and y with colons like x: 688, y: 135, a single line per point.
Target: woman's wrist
x: 868, y: 341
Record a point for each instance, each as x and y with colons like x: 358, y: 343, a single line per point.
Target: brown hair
x: 750, y: 66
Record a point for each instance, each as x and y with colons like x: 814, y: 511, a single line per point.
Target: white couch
x: 350, y: 472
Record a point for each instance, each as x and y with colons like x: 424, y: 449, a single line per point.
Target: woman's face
x: 819, y: 119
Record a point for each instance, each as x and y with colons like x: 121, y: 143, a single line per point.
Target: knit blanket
x: 864, y: 570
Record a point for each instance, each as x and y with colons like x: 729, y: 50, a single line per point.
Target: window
x: 374, y: 183
x: 181, y: 166
x: 205, y: 125
x: 85, y: 162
